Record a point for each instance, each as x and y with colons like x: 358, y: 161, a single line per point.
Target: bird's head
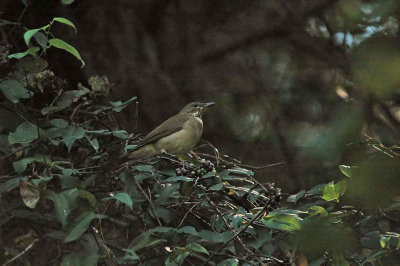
x: 196, y: 108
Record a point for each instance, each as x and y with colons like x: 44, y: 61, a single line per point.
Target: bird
x: 177, y: 135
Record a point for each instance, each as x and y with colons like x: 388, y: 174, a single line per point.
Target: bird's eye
x: 196, y: 105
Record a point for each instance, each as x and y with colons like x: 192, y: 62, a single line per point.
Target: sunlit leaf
x: 29, y: 34
x: 317, y: 210
x: 346, y: 170
x: 333, y: 191
x: 65, y: 46
x: 285, y: 222
x: 33, y: 50
x: 66, y: 22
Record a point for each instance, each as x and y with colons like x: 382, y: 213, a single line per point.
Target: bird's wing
x: 163, y: 130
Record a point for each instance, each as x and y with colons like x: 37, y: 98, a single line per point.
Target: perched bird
x: 177, y: 135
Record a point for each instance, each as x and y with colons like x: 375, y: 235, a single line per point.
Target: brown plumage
x: 177, y: 135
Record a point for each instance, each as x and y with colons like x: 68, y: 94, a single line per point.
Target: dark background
x: 294, y: 81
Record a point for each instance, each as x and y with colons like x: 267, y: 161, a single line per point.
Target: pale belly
x: 182, y: 141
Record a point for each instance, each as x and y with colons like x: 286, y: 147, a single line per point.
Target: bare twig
x: 148, y: 199
x: 238, y: 233
x: 22, y: 252
x: 186, y: 214
x: 73, y: 112
x: 21, y: 149
x: 230, y: 226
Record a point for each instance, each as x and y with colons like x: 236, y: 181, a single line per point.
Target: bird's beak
x: 208, y: 104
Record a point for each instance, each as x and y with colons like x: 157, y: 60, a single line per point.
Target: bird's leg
x: 195, y: 155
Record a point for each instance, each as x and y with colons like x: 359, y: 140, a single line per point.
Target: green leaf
x: 66, y: 22
x: 333, y: 192
x: 178, y: 178
x: 241, y: 171
x: 95, y: 143
x: 14, y: 90
x: 214, y: 236
x: 83, y: 194
x: 346, y: 170
x: 216, y: 187
x: 67, y: 2
x: 33, y: 50
x: 29, y: 34
x: 79, y: 225
x: 376, y: 256
x: 294, y: 198
x: 119, y: 106
x: 229, y: 262
x: 60, y: 44
x: 341, y: 187
x: 80, y: 259
x: 194, y: 247
x: 121, y: 197
x: 42, y: 40
x: 285, y: 222
x: 166, y: 193
x: 145, y: 239
x: 71, y: 134
x: 384, y: 241
x: 10, y: 184
x: 188, y: 230
x: 129, y: 256
x: 66, y: 100
x: 59, y: 123
x: 25, y: 134
x: 317, y: 210
x: 20, y: 166
x: 64, y: 202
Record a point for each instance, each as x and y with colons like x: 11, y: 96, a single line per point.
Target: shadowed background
x: 294, y: 81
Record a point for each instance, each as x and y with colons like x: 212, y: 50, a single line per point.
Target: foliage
x: 45, y: 39
x: 67, y: 193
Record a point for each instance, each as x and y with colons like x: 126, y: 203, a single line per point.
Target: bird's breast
x: 183, y: 140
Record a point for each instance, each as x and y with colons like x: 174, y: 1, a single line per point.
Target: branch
x: 22, y: 252
x: 148, y: 199
x: 238, y: 233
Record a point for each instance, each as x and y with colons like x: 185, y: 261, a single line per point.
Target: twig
x: 151, y: 203
x: 261, y: 167
x: 230, y: 226
x: 186, y: 214
x: 19, y: 18
x: 23, y: 148
x: 136, y: 115
x: 22, y: 252
x: 73, y: 112
x: 235, y: 162
x: 238, y: 233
